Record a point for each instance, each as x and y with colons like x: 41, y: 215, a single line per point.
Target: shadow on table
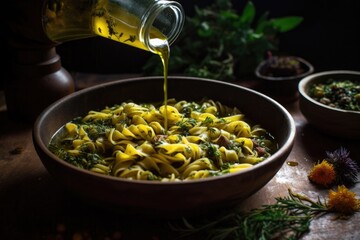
x: 316, y: 143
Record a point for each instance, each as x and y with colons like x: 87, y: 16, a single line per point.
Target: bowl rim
x: 302, y: 60
x: 305, y: 82
x: 41, y: 117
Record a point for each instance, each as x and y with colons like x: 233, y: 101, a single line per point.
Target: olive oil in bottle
x: 138, y: 23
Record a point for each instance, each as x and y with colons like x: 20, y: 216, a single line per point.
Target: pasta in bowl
x: 134, y: 141
x: 118, y: 144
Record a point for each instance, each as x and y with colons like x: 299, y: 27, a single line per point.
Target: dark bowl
x: 165, y: 199
x: 284, y: 87
x: 331, y: 121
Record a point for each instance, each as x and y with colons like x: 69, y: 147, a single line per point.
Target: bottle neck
x: 161, y: 22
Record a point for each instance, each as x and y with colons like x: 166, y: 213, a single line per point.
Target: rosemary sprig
x: 288, y: 218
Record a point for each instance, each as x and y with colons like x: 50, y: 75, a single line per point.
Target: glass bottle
x: 138, y: 23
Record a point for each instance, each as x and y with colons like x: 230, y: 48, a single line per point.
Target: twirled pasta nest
x: 182, y: 141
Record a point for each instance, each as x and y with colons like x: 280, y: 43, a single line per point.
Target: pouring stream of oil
x: 161, y: 47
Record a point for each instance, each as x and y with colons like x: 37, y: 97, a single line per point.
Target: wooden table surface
x: 34, y: 206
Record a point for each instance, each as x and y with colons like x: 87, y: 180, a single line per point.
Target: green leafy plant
x: 219, y: 42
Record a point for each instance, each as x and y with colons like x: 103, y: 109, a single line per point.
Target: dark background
x: 329, y: 37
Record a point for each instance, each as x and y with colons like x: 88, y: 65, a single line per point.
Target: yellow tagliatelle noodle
x: 202, y: 139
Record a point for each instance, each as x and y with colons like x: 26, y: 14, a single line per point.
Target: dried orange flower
x: 343, y: 201
x: 323, y: 174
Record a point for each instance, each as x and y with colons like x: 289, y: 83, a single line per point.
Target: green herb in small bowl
x: 338, y: 93
x: 330, y: 102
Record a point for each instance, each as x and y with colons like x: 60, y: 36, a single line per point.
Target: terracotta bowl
x: 282, y: 88
x: 329, y: 120
x: 164, y: 199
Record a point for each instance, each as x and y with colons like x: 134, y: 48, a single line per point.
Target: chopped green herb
x: 338, y: 93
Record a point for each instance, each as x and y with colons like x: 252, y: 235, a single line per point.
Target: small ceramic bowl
x: 155, y: 198
x: 329, y: 120
x: 282, y: 87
